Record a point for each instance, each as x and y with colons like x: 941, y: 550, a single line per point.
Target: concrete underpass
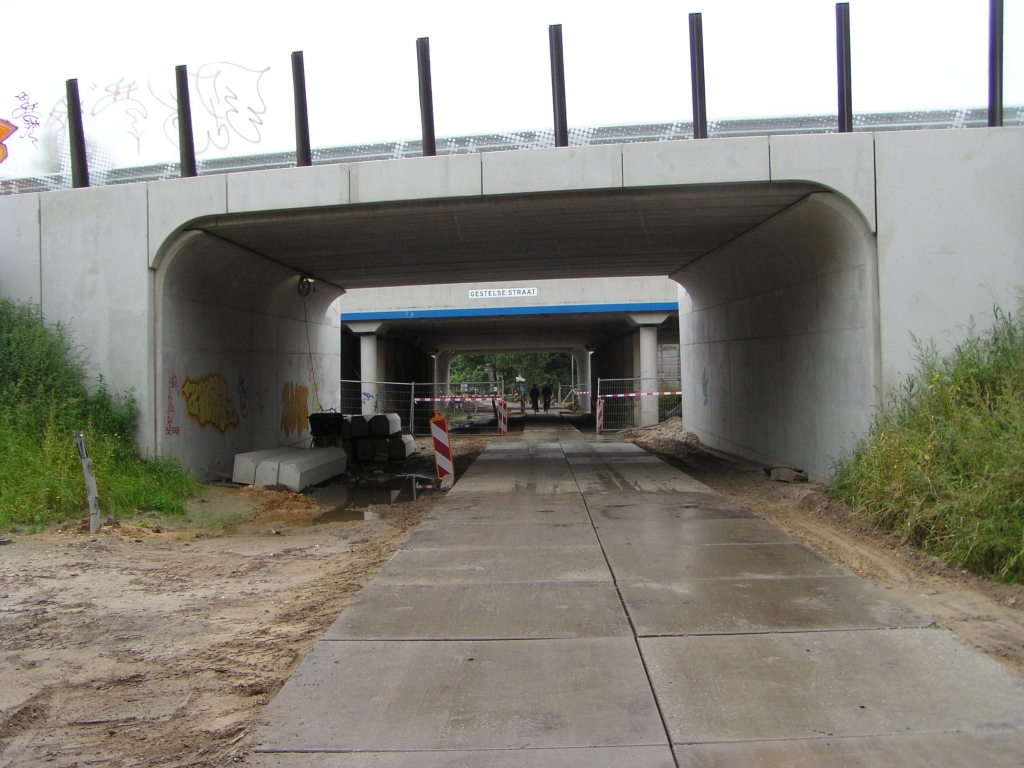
x: 574, y: 601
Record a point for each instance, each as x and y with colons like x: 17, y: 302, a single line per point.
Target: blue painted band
x: 561, y: 309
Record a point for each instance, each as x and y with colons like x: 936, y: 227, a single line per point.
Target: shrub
x: 43, y: 399
x: 942, y: 466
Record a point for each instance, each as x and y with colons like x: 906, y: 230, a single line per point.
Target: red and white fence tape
x: 442, y: 451
x: 455, y: 399
x: 638, y: 394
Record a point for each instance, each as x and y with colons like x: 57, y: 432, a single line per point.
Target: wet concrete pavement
x: 577, y: 602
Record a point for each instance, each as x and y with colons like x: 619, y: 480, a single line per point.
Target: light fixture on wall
x: 305, y: 286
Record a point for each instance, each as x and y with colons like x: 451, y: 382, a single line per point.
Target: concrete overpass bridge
x: 808, y: 262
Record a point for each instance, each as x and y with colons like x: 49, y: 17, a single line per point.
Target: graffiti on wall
x: 172, y: 387
x: 294, y: 409
x: 209, y: 401
x: 6, y: 129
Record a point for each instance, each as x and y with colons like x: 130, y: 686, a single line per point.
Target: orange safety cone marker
x: 442, y: 450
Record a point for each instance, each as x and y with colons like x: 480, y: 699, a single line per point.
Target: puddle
x: 348, y: 499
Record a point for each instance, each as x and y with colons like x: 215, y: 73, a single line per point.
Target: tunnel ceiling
x: 516, y: 333
x: 604, y: 233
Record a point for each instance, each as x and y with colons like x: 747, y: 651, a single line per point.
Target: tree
x: 538, y: 368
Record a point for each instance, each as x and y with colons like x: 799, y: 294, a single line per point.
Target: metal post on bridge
x: 76, y: 135
x: 426, y: 96
x: 303, y: 153
x: 186, y: 143
x: 700, y: 106
x: 995, y: 63
x: 843, y: 69
x: 558, y: 85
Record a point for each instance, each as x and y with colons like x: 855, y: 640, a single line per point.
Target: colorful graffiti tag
x: 6, y: 129
x: 209, y: 401
x: 294, y: 409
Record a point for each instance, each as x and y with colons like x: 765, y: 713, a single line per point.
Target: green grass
x: 943, y: 465
x: 42, y: 401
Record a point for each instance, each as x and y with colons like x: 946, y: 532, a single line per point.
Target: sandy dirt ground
x: 158, y: 643
x: 988, y: 615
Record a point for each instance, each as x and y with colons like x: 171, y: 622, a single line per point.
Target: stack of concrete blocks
x: 378, y: 437
x: 294, y: 468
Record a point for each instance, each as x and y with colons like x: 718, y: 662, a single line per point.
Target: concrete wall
x: 950, y: 235
x: 241, y: 360
x: 780, y: 339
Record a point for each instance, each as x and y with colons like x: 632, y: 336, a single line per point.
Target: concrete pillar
x: 443, y: 368
x: 648, y: 374
x: 645, y: 355
x: 368, y: 368
x: 369, y: 364
x: 582, y: 357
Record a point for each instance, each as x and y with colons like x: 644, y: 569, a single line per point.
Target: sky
x: 625, y: 63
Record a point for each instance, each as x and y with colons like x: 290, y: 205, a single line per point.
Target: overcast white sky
x: 625, y: 63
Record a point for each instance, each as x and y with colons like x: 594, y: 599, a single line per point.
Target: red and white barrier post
x: 442, y: 450
x: 599, y: 416
x: 502, y: 417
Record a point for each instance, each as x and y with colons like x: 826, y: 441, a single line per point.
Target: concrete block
x: 360, y: 425
x: 803, y: 685
x: 373, y: 449
x: 385, y: 424
x: 482, y: 611
x: 709, y: 161
x: 315, y: 466
x: 19, y: 244
x: 459, y: 695
x: 401, y: 447
x: 415, y: 178
x: 173, y: 203
x: 268, y: 470
x: 246, y: 464
x: 844, y: 162
x: 278, y: 188
x: 551, y: 170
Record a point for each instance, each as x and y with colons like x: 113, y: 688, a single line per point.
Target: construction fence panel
x: 370, y: 397
x: 470, y: 407
x: 631, y: 402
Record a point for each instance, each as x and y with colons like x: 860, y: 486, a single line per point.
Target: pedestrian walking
x: 547, y: 397
x: 534, y: 397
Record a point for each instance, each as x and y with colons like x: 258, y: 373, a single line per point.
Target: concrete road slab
x: 497, y: 694
x: 828, y: 684
x: 662, y: 531
x: 527, y: 508
x: 526, y: 477
x: 722, y: 561
x: 592, y: 757
x: 995, y: 749
x: 696, y: 505
x: 487, y: 565
x: 480, y: 534
x: 603, y: 449
x: 732, y: 606
x: 639, y: 476
x: 482, y: 611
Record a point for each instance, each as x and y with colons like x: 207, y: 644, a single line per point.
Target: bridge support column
x: 647, y: 370
x: 368, y: 362
x: 582, y: 357
x: 443, y: 367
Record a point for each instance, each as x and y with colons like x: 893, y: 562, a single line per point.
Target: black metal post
x: 303, y: 154
x: 76, y: 135
x: 700, y: 104
x: 186, y: 144
x: 558, y: 85
x: 995, y: 64
x: 426, y: 96
x: 843, y: 69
